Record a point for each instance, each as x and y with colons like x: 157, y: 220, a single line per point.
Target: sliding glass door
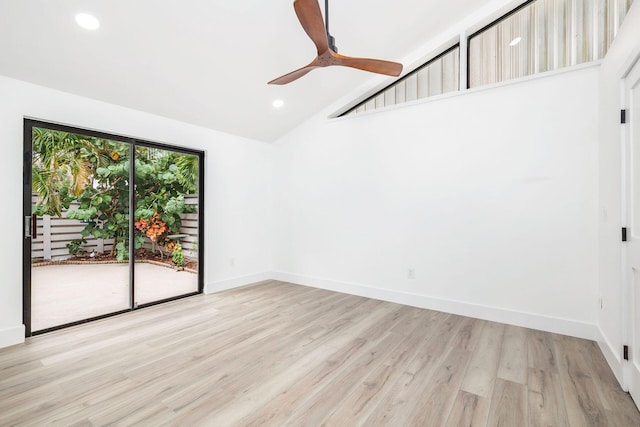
x: 80, y: 205
x: 110, y: 224
x: 166, y: 224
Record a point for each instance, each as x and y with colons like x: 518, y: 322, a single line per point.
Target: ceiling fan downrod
x: 330, y: 39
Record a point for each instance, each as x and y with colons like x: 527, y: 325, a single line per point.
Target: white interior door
x: 632, y: 133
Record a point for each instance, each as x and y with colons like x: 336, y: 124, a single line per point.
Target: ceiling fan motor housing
x: 332, y: 43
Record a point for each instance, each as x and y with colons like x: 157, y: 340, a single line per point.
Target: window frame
x: 406, y: 76
x: 486, y: 27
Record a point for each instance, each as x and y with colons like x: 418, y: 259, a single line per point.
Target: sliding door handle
x: 31, y: 226
x: 28, y: 223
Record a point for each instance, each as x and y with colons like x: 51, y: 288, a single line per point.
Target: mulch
x: 142, y: 256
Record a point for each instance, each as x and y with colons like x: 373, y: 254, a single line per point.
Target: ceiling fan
x: 310, y: 17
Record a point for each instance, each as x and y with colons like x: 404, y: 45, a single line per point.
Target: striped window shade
x: 544, y: 35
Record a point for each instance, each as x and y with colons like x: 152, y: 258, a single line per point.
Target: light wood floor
x: 280, y: 354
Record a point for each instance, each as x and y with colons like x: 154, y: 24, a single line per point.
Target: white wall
x: 611, y: 319
x: 238, y: 187
x: 490, y: 195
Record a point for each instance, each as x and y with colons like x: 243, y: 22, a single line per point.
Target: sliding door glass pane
x: 166, y: 224
x: 79, y: 251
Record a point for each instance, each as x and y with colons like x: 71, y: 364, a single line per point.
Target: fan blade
x: 294, y: 75
x: 372, y: 65
x: 310, y: 17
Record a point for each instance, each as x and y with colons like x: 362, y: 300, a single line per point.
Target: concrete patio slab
x: 67, y: 293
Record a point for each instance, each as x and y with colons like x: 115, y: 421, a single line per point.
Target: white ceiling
x: 207, y: 62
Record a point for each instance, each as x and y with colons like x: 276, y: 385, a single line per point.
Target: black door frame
x: 29, y: 124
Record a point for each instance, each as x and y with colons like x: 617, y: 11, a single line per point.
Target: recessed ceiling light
x: 278, y: 103
x: 515, y: 41
x: 87, y: 21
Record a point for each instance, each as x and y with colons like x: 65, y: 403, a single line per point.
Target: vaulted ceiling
x: 207, y: 62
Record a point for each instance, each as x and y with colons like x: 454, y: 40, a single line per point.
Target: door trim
x: 630, y: 172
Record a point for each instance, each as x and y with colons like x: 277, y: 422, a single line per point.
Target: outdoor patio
x: 70, y: 292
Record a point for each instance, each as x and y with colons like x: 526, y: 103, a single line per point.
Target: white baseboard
x: 612, y: 357
x: 512, y: 317
x: 236, y: 282
x: 11, y: 336
x: 569, y: 327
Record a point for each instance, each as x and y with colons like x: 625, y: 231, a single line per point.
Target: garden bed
x: 142, y: 256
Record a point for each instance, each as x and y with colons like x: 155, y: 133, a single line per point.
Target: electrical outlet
x: 411, y: 273
x: 601, y: 301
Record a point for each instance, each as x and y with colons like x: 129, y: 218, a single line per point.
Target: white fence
x: 54, y: 233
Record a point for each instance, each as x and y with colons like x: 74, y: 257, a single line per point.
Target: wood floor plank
x: 439, y: 393
x: 513, y: 358
x: 541, y: 352
x: 481, y: 372
x: 581, y: 396
x: 148, y: 415
x: 356, y: 407
x: 327, y: 398
x: 469, y: 410
x: 224, y: 364
x: 282, y: 407
x: 279, y: 354
x: 469, y: 335
x: 400, y: 399
x: 280, y: 373
x: 545, y: 399
x: 508, y: 405
x: 614, y: 399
